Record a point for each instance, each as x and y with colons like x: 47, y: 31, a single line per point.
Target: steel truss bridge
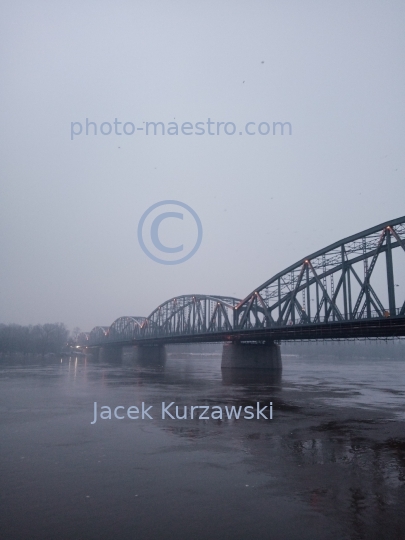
x: 354, y: 288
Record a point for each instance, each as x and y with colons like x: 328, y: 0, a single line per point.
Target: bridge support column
x: 110, y: 354
x: 251, y: 356
x: 149, y: 354
x: 93, y: 352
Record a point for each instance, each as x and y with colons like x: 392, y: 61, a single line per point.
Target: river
x: 330, y: 464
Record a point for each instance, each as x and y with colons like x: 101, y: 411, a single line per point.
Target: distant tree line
x: 40, y: 339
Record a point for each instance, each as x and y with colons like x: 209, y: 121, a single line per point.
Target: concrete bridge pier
x: 149, y: 354
x: 251, y: 355
x: 110, y: 354
x: 93, y: 352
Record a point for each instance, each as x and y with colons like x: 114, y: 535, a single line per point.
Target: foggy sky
x: 69, y: 210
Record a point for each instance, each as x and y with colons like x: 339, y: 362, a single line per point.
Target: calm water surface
x: 330, y: 465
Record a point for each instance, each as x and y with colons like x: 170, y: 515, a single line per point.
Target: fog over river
x: 329, y: 465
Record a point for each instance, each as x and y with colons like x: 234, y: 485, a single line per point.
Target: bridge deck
x: 335, y: 330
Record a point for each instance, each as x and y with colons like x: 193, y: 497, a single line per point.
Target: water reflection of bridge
x: 350, y: 289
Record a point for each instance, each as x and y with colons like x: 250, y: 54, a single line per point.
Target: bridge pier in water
x: 236, y: 355
x: 146, y: 354
x: 110, y: 354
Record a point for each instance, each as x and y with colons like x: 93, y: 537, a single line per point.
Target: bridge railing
x: 305, y: 320
x: 358, y: 316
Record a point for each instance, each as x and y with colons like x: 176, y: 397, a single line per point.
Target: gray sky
x: 69, y: 209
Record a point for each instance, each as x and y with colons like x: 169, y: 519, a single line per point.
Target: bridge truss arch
x: 99, y: 334
x: 126, y: 328
x: 83, y: 339
x: 191, y: 314
x: 348, y: 280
